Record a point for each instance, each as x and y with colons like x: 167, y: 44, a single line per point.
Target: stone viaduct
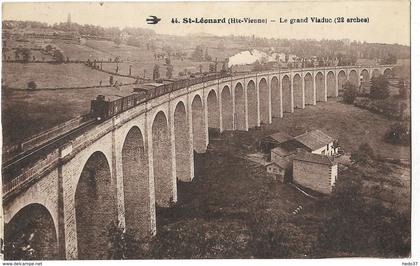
x: 123, y: 168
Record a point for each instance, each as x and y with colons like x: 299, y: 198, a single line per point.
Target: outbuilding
x: 275, y: 171
x: 315, y: 171
x: 274, y: 140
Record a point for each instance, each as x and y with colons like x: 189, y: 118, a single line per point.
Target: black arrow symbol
x: 152, y: 20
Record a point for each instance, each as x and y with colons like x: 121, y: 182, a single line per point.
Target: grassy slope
x: 18, y: 75
x: 351, y: 125
x: 25, y: 114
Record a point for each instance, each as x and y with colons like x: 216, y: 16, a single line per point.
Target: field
x: 17, y: 75
x: 26, y: 113
x: 82, y: 52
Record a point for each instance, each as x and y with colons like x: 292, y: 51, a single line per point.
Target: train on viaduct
x: 121, y: 169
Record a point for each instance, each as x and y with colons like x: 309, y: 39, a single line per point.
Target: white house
x: 318, y: 142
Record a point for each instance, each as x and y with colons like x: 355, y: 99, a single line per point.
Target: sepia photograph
x: 206, y: 130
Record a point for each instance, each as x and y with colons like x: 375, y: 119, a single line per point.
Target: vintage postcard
x: 206, y: 130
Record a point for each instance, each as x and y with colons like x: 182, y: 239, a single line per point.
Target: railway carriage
x: 103, y: 108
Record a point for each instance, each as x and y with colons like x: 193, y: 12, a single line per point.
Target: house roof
x: 314, y: 158
x: 278, y: 137
x: 314, y: 139
x: 274, y: 163
x: 282, y: 151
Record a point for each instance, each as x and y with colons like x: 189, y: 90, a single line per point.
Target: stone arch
x: 240, y: 119
x: 213, y: 111
x: 264, y: 101
x: 183, y: 152
x: 309, y: 89
x: 365, y: 75
x: 353, y: 77
x: 298, y: 93
x: 32, y: 225
x: 275, y: 98
x: 342, y: 78
x: 320, y: 87
x: 252, y: 104
x: 387, y: 73
x: 227, y: 109
x: 162, y: 161
x: 96, y: 209
x: 376, y: 73
x: 331, y: 89
x: 198, y: 123
x: 135, y: 169
x: 287, y: 94
x: 365, y: 81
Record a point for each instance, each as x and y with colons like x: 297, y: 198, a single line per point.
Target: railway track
x: 37, y: 152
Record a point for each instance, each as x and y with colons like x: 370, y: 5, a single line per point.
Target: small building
x: 318, y: 142
x: 276, y: 171
x: 281, y: 153
x: 315, y: 171
x: 274, y: 140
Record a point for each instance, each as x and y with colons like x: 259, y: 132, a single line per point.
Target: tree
x: 156, y: 73
x: 398, y: 133
x: 379, y: 88
x: 212, y: 67
x: 32, y: 85
x: 342, y: 229
x: 198, y: 53
x: 364, y: 154
x: 117, y: 41
x: 48, y: 48
x: 111, y: 80
x: 391, y: 59
x: 58, y: 56
x: 26, y: 54
x: 403, y: 90
x: 167, y: 61
x: 350, y: 92
x: 207, y: 57
x: 169, y: 71
x: 17, y: 56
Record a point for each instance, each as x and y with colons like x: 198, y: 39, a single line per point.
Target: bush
x: 123, y: 245
x: 58, y: 56
x: 357, y: 227
x: 156, y: 72
x: 403, y: 90
x: 398, y: 133
x: 364, y: 155
x: 350, y: 92
x: 379, y: 88
x: 32, y: 85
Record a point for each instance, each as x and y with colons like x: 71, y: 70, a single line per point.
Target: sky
x: 389, y: 20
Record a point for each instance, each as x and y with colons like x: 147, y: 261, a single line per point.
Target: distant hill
x: 201, y: 34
